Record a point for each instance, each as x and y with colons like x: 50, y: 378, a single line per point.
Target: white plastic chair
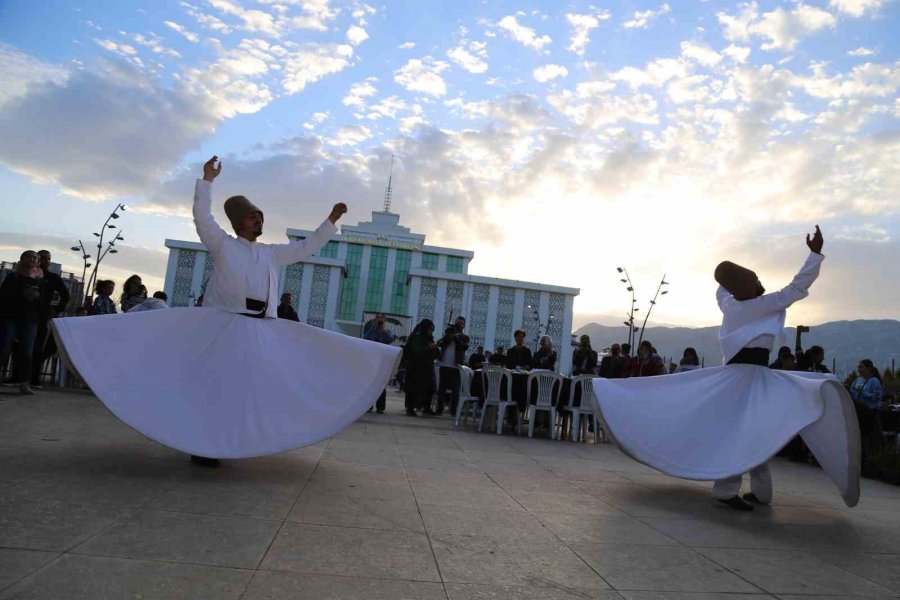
x: 466, y: 399
x: 585, y: 411
x: 570, y: 408
x: 548, y: 386
x: 492, y: 379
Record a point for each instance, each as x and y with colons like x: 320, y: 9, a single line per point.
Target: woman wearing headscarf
x: 420, y: 351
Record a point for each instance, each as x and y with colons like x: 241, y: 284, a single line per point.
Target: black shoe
x: 380, y: 412
x: 753, y: 499
x: 370, y: 410
x: 736, y: 503
x: 411, y: 413
x: 203, y: 461
x: 428, y: 413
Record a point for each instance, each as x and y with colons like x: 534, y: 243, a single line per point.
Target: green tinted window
x: 454, y: 264
x: 329, y: 250
x: 350, y: 285
x: 400, y: 293
x: 375, y: 283
x: 430, y: 261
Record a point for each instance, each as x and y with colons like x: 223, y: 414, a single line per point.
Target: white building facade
x: 380, y: 266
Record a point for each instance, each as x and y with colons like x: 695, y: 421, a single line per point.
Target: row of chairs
x: 547, y: 386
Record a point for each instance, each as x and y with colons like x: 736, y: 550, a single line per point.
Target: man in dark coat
x: 54, y: 300
x: 453, y: 348
x: 286, y: 309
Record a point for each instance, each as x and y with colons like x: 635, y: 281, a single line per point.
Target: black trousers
x: 381, y: 402
x: 44, y: 348
x: 449, y: 380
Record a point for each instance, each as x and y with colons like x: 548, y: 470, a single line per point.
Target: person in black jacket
x: 286, y: 309
x: 519, y: 356
x: 21, y: 304
x: 612, y: 364
x: 477, y: 358
x: 584, y: 358
x: 54, y: 300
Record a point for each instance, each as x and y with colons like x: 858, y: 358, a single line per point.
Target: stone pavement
x: 397, y: 508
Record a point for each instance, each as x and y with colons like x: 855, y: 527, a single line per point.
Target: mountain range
x: 845, y: 342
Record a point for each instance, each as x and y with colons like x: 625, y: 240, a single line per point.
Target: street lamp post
x: 84, y: 257
x: 537, y: 317
x: 658, y: 293
x: 101, y: 253
x: 630, y: 322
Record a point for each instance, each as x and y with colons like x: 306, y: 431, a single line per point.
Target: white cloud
x: 350, y: 135
x: 857, y: 8
x: 782, y: 29
x: 312, y: 63
x: 655, y: 74
x: 524, y: 35
x: 356, y: 35
x: 386, y: 107
x: 423, y: 75
x: 581, y: 29
x: 738, y: 54
x: 547, y: 72
x: 21, y: 72
x: 642, y: 18
x: 154, y: 42
x: 407, y: 46
x: 188, y: 35
x: 316, y: 119
x: 359, y: 91
x: 206, y: 20
x: 861, y: 51
x: 701, y: 53
x: 469, y: 56
x: 121, y: 49
x: 868, y: 232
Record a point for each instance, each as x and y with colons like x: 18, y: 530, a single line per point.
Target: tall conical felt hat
x: 238, y: 208
x: 740, y: 281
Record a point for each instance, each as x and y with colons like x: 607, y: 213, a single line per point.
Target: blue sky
x: 557, y: 140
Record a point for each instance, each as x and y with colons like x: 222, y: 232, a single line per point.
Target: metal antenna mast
x: 388, y: 192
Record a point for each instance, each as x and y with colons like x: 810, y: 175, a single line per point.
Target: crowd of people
x: 31, y: 294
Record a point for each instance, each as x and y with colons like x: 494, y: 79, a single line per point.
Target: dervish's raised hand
x: 815, y: 244
x: 337, y: 212
x: 210, y: 171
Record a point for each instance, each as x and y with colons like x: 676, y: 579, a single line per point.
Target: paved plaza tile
x: 397, y: 508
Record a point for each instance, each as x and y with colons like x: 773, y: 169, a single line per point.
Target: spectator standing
x: 612, y: 364
x: 103, y: 303
x: 867, y: 393
x: 777, y: 363
x: 689, y: 361
x: 133, y: 293
x: 626, y: 352
x: 420, y: 352
x: 813, y: 359
x: 477, y: 359
x: 54, y: 299
x: 453, y: 348
x: 584, y: 358
x: 545, y: 357
x: 21, y: 305
x: 286, y: 309
x: 158, y: 301
x: 646, y: 364
x: 519, y: 356
x: 377, y: 332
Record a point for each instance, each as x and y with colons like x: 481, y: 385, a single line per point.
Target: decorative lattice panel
x: 555, y: 326
x: 427, y: 298
x: 318, y: 296
x: 454, y: 298
x: 504, y: 327
x: 293, y: 284
x: 477, y: 325
x: 184, y: 278
x: 530, y: 318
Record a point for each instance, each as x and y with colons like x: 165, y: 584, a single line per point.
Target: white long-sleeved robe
x: 716, y: 423
x: 245, y: 269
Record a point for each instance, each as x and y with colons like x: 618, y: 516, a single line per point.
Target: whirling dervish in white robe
x: 722, y: 422
x: 230, y: 380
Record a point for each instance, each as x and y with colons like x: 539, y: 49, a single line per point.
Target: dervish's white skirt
x: 719, y: 422
x: 222, y: 385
